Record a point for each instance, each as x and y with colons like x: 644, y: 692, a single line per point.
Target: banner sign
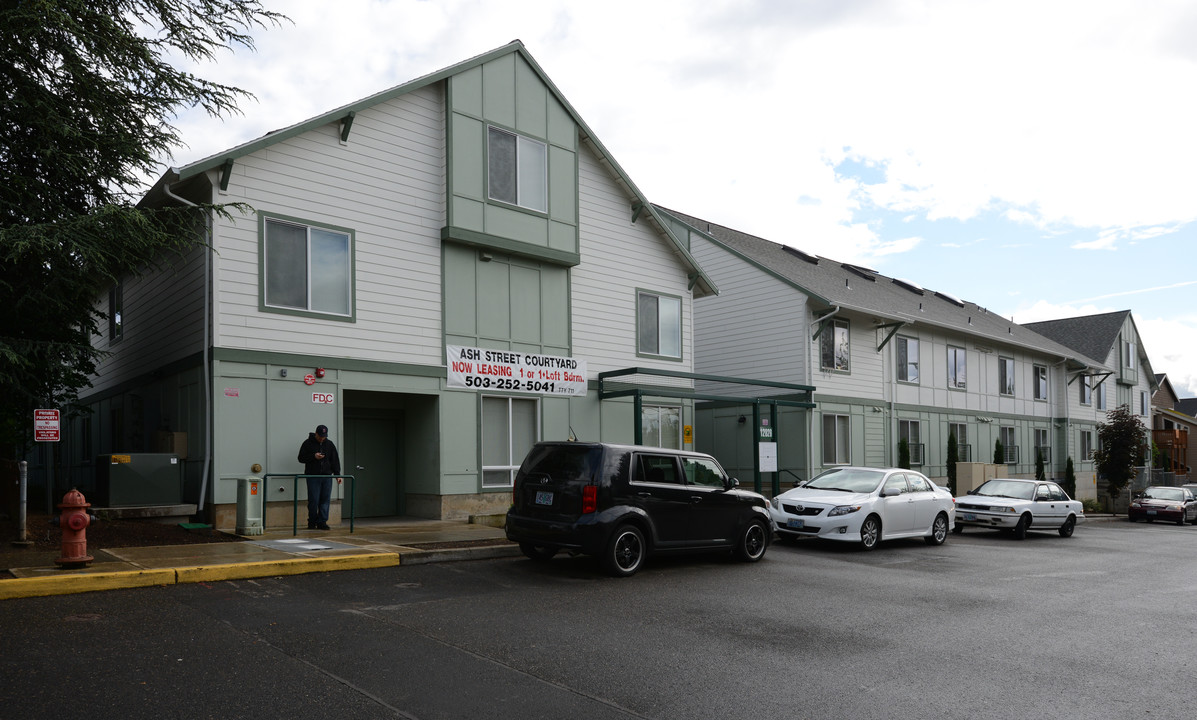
x: 510, y: 370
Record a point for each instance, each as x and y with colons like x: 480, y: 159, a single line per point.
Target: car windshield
x: 1164, y: 493
x: 1007, y: 489
x: 848, y: 480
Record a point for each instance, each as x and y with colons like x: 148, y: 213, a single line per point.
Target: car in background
x: 623, y: 503
x: 1160, y: 502
x: 864, y: 505
x: 1018, y: 506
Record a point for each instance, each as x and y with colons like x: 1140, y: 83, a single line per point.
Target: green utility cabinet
x: 137, y: 479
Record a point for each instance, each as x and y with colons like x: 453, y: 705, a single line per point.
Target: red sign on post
x: 45, y: 426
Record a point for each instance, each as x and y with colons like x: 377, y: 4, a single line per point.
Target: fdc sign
x: 322, y: 398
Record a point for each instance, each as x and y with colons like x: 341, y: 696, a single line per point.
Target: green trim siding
x: 514, y: 247
x: 346, y: 364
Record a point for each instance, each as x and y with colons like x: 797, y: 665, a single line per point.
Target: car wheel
x: 539, y: 553
x: 870, y: 532
x: 753, y: 542
x: 939, y: 530
x: 1068, y: 526
x: 1020, y: 530
x: 625, y: 552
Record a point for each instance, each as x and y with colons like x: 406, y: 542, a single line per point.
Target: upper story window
x: 1101, y: 396
x: 1144, y: 403
x: 1006, y: 375
x: 307, y: 268
x: 908, y: 359
x: 659, y: 324
x: 116, y: 311
x: 957, y: 370
x: 1086, y: 390
x: 834, y: 351
x: 1130, y: 355
x: 517, y: 170
x: 1040, y: 382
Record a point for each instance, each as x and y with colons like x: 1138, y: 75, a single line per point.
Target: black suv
x: 622, y: 502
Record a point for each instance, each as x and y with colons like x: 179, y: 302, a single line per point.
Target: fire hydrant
x: 74, y: 522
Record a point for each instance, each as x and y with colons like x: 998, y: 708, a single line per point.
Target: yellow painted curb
x: 298, y: 566
x: 84, y: 582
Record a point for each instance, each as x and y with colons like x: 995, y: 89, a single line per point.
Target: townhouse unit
x: 1172, y: 433
x: 889, y: 360
x: 438, y: 273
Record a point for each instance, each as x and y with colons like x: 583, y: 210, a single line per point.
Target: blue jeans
x: 319, y: 496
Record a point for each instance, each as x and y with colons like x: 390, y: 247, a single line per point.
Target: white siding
x: 162, y: 322
x: 756, y: 326
x: 619, y: 257
x: 387, y: 184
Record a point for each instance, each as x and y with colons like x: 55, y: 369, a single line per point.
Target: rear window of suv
x: 562, y: 463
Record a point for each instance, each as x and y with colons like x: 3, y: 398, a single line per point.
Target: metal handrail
x: 295, y: 497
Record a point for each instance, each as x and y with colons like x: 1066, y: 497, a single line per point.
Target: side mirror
x: 972, y: 492
x: 730, y: 483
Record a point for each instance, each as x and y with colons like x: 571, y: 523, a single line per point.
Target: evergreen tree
x: 904, y: 454
x: 1040, y: 474
x: 89, y: 95
x: 953, y: 458
x: 1070, y: 479
x: 1122, y: 448
x: 999, y: 453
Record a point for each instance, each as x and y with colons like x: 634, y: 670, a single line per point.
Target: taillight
x: 589, y: 499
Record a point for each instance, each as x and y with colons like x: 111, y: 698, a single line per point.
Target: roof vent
x: 949, y: 298
x: 801, y: 255
x: 908, y: 285
x: 864, y: 272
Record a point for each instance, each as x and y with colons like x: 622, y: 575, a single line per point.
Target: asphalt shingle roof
x: 1090, y: 335
x: 891, y: 299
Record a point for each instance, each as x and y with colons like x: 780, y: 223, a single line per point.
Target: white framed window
x: 964, y: 451
x: 1009, y: 444
x: 116, y: 312
x: 1042, y: 446
x: 908, y: 359
x: 834, y: 350
x: 510, y: 427
x: 1144, y: 403
x: 517, y: 170
x: 1086, y: 389
x: 836, y: 440
x: 1130, y: 352
x: 1086, y: 444
x: 1040, y: 382
x: 957, y: 368
x: 908, y: 430
x: 659, y: 324
x: 661, y: 426
x: 1101, y: 395
x: 1006, y: 375
x: 307, y: 268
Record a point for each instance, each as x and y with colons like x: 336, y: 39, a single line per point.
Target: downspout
x: 207, y: 331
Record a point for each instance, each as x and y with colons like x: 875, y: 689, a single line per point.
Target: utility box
x: 251, y: 501
x: 136, y: 479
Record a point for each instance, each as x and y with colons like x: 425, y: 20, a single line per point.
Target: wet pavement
x: 374, y: 543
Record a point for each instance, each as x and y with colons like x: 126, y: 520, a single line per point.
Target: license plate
x: 971, y: 517
x: 1151, y: 512
x: 544, y: 497
x: 796, y: 524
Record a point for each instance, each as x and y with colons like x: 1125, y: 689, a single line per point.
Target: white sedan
x: 865, y: 505
x: 1018, y: 506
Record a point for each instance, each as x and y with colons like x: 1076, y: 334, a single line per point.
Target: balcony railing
x: 964, y: 453
x: 1011, y: 454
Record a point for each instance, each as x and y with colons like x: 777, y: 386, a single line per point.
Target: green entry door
x: 372, y: 457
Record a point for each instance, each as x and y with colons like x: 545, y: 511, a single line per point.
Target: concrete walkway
x: 381, y: 543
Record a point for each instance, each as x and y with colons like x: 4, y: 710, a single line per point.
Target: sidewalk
x: 382, y: 543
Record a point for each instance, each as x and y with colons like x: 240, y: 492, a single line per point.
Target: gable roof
x: 831, y: 283
x: 1164, y: 384
x: 700, y: 283
x: 1188, y: 406
x: 1093, y: 335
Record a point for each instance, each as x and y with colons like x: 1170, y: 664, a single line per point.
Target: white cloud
x: 1171, y: 343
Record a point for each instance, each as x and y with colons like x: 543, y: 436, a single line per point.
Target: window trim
x: 1005, y: 372
x: 681, y: 326
x: 907, y: 424
x: 265, y: 217
x: 514, y: 463
x: 1040, y: 372
x: 658, y: 408
x: 1102, y: 401
x: 519, y: 137
x: 116, y: 312
x: 1086, y: 445
x: 903, y: 368
x: 823, y: 450
x: 831, y: 326
x: 963, y: 365
x: 1086, y: 389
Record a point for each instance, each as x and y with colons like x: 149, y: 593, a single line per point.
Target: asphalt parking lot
x: 982, y: 627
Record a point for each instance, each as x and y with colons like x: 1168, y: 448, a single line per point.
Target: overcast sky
x: 1033, y: 157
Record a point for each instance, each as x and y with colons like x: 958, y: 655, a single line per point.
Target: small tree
x: 1070, y: 479
x: 953, y: 458
x: 903, y: 454
x: 1121, y: 448
x: 999, y: 453
x: 1039, y: 472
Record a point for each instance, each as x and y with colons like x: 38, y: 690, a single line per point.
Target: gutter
x: 207, y: 332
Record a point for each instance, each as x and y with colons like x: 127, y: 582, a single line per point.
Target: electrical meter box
x: 136, y: 479
x: 251, y: 497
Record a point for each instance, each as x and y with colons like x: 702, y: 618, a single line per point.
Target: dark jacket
x: 330, y: 465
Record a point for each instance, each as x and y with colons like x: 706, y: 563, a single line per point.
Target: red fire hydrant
x: 74, y: 522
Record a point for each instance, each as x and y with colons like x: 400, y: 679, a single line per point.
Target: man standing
x: 319, y: 457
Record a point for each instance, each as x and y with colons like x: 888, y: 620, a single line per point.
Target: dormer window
x: 517, y: 170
